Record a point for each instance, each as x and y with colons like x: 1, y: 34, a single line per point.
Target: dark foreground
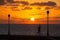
x: 30, y: 29
x: 20, y: 32
x: 24, y: 37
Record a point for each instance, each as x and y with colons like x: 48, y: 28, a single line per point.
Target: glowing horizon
x: 23, y: 16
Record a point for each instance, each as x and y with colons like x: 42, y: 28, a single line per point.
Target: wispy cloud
x: 49, y: 3
x: 1, y: 2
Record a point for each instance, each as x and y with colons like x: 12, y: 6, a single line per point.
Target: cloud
x: 49, y: 3
x: 37, y: 3
x: 49, y: 8
x: 27, y: 8
x: 1, y: 2
x: 21, y: 2
x: 24, y: 2
x: 10, y: 1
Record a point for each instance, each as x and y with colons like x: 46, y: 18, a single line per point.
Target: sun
x: 32, y: 19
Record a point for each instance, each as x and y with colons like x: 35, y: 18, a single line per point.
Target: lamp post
x: 47, y: 23
x: 39, y: 29
x: 8, y: 24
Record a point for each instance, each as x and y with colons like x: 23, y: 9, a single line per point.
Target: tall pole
x: 47, y: 23
x: 39, y: 30
x: 8, y: 24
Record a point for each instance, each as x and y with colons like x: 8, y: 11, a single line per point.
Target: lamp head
x: 47, y: 12
x: 8, y: 15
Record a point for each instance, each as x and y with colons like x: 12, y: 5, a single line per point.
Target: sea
x: 30, y: 29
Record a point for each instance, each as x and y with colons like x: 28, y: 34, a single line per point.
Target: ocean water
x: 30, y: 29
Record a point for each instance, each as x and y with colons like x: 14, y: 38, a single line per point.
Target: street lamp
x: 8, y: 24
x: 47, y: 23
x: 39, y: 29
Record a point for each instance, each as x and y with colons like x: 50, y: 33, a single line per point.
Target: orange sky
x: 24, y: 16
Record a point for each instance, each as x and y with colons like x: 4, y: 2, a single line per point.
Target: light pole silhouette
x: 8, y: 24
x: 47, y: 23
x: 39, y: 30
